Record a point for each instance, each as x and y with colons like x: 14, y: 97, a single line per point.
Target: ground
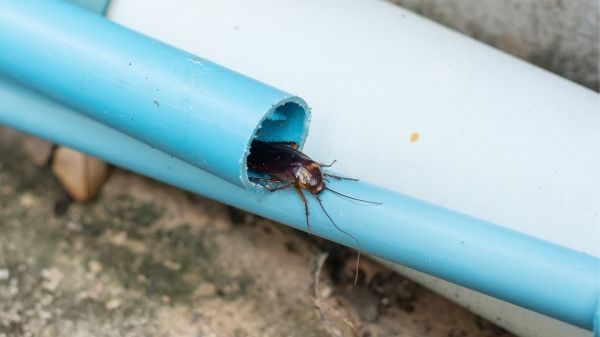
x: 146, y: 259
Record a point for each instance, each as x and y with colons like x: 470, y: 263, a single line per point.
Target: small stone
x: 46, y: 300
x: 113, y: 304
x: 52, y: 278
x: 82, y: 176
x: 118, y: 238
x: 4, y: 274
x: 45, y: 315
x: 325, y: 292
x: 26, y: 200
x: 94, y: 266
x: 173, y: 265
x: 73, y: 226
x: 13, y: 287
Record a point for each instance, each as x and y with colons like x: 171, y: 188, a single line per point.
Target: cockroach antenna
x: 353, y: 198
x: 348, y: 234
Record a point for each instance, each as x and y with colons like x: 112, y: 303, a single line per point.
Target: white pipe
x: 499, y: 139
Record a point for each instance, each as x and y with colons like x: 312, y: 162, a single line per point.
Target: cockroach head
x: 310, y: 177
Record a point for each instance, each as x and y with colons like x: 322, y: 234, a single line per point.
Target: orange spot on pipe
x: 414, y: 137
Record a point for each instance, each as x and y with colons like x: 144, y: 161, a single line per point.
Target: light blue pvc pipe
x: 519, y: 269
x: 189, y: 107
x: 597, y: 322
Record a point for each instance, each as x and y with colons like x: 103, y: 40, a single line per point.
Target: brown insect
x: 286, y: 167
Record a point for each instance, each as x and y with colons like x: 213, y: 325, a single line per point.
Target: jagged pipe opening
x: 286, y: 122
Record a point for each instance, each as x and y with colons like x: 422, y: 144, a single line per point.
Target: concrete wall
x: 561, y: 36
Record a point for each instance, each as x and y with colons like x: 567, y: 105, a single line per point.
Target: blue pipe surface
x: 189, y: 107
x: 479, y: 255
x: 597, y: 322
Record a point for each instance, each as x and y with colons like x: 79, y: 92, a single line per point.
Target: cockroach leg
x: 334, y: 176
x: 328, y: 165
x: 279, y: 188
x: 303, y: 198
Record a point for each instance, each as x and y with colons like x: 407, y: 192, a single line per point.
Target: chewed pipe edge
x: 277, y: 125
x: 511, y: 266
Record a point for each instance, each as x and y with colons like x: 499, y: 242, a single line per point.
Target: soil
x: 147, y: 259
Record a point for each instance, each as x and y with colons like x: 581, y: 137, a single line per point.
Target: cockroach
x: 287, y: 167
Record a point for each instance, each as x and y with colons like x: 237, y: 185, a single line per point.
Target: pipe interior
x: 285, y: 123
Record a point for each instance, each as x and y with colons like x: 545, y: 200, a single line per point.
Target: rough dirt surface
x: 146, y: 259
